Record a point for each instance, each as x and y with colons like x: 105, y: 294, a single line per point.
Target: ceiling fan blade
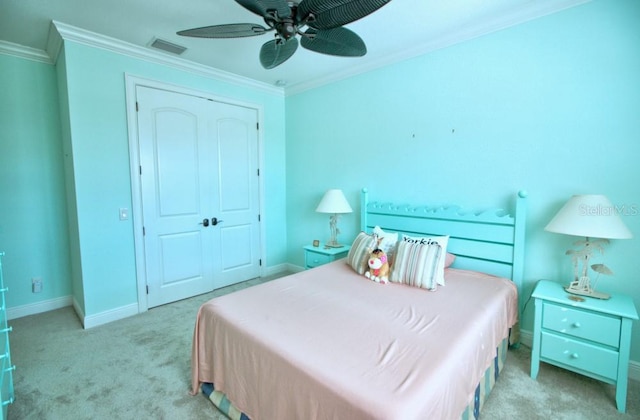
x: 277, y: 51
x: 234, y: 30
x: 260, y: 7
x: 338, y: 41
x: 331, y: 14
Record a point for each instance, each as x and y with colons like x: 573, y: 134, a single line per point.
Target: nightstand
x: 315, y: 256
x: 591, y: 337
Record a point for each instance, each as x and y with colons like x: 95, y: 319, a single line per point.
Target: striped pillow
x: 359, y: 252
x: 440, y: 240
x: 417, y: 264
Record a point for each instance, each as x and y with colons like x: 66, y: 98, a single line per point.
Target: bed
x: 329, y: 343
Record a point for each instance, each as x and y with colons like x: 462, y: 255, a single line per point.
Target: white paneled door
x: 199, y: 192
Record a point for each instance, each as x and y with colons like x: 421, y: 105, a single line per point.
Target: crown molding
x: 530, y: 11
x: 27, y: 53
x: 60, y: 32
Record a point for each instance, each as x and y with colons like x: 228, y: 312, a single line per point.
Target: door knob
x: 215, y: 221
x: 205, y: 222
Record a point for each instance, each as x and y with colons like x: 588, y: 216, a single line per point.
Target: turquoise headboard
x: 491, y: 241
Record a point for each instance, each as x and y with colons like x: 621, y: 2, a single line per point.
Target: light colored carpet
x: 139, y: 367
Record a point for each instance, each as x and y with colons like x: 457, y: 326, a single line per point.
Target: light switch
x: 124, y: 213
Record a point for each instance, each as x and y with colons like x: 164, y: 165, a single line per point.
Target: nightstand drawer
x: 315, y: 256
x: 587, y: 325
x: 579, y: 355
x: 314, y: 259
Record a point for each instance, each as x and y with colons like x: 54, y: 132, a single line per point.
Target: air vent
x: 167, y: 46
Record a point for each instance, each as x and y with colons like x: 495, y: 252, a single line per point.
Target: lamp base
x: 582, y: 287
x: 333, y: 245
x: 592, y: 293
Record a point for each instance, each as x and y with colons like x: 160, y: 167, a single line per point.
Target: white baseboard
x: 111, y: 315
x: 63, y: 302
x: 295, y: 268
x: 38, y: 307
x: 526, y: 338
x: 634, y: 370
x: 281, y: 268
x: 274, y: 269
x: 78, y: 309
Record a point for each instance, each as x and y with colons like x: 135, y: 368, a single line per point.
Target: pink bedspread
x: 327, y: 344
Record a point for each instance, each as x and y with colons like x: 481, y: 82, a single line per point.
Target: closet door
x: 195, y: 155
x: 236, y: 208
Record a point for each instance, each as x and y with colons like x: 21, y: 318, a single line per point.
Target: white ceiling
x: 399, y: 30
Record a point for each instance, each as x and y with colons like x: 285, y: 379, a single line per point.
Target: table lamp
x: 334, y: 202
x: 591, y: 216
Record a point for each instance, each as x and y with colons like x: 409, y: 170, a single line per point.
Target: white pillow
x: 426, y: 240
x: 388, y: 244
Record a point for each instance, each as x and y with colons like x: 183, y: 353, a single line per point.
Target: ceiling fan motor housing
x: 286, y: 28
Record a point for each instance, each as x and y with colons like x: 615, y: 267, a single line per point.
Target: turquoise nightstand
x: 591, y: 337
x: 315, y: 256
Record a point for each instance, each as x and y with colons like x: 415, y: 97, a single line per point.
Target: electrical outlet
x: 36, y: 284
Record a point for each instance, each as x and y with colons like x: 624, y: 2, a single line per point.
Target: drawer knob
x: 574, y: 356
x: 577, y: 325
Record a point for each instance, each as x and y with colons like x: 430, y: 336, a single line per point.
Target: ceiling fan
x: 323, y: 20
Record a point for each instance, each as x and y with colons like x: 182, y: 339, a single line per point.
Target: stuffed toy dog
x: 378, y: 266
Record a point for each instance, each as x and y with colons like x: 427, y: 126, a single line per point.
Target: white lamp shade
x: 334, y: 201
x: 592, y: 216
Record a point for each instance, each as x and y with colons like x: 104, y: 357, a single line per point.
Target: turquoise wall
x: 551, y: 106
x: 33, y: 221
x: 77, y: 287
